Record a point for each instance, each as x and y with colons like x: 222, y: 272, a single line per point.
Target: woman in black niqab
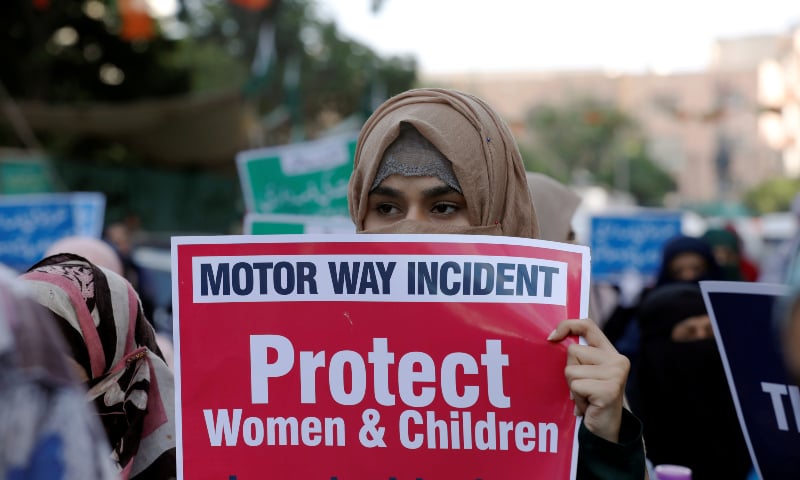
x: 684, y: 402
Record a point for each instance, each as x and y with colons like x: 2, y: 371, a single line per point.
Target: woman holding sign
x: 443, y: 162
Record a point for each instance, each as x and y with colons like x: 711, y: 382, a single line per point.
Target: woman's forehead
x: 402, y: 184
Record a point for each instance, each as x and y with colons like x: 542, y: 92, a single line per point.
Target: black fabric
x: 599, y: 459
x: 666, y: 306
x: 685, y: 244
x: 619, y: 323
x: 683, y: 397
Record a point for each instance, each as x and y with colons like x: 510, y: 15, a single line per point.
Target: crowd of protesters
x: 75, y: 325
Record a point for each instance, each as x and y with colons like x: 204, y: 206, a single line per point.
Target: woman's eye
x: 386, y: 209
x: 444, y: 209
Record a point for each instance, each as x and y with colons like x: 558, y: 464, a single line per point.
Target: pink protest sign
x: 369, y: 357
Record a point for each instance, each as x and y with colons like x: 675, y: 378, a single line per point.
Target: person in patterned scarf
x: 113, y: 347
x: 47, y: 430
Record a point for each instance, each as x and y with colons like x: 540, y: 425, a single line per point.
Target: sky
x: 523, y: 35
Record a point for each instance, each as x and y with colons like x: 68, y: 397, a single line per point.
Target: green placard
x: 276, y: 228
x: 307, y: 178
x: 269, y: 224
x: 30, y: 175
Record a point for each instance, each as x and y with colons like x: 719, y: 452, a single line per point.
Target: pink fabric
x: 133, y: 310
x: 97, y: 358
x: 157, y: 416
x: 141, y: 434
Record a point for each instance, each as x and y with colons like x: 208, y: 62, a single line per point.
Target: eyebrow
x: 386, y: 191
x: 438, y: 191
x: 432, y: 192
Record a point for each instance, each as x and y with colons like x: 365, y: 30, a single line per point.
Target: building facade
x: 702, y: 127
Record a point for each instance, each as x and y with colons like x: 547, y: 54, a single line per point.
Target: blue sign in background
x: 29, y: 224
x: 630, y: 242
x: 746, y: 334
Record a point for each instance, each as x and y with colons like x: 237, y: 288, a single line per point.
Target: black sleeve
x: 600, y: 459
x: 618, y: 322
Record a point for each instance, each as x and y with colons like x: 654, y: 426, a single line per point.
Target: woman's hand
x: 596, y: 374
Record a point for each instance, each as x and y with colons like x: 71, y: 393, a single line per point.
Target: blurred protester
x: 114, y: 348
x: 93, y: 249
x: 442, y: 161
x: 119, y: 235
x: 725, y: 246
x: 783, y: 265
x: 683, y: 259
x: 687, y: 259
x: 102, y: 254
x: 47, y: 429
x: 747, y: 266
x: 684, y: 401
x: 555, y: 207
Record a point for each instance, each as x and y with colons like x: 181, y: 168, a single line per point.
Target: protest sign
x: 308, y: 178
x: 31, y: 223
x: 21, y: 172
x: 632, y: 241
x: 374, y: 356
x: 267, y: 224
x: 767, y: 403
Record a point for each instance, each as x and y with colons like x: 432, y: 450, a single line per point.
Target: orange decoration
x: 254, y: 5
x: 593, y: 117
x: 136, y: 21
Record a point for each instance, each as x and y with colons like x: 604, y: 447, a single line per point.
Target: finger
x: 580, y: 407
x: 597, y: 372
x: 596, y: 388
x: 585, y: 328
x: 598, y: 393
x: 586, y: 355
x: 580, y: 401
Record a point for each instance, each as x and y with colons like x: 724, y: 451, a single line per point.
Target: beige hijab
x: 478, y: 143
x: 555, y: 206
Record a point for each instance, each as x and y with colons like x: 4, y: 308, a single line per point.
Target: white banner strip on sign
x: 372, y: 278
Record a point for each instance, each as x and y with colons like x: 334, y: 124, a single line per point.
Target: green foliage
x: 536, y: 160
x: 314, y: 77
x: 164, y: 199
x: 336, y: 77
x: 773, y: 195
x: 59, y: 54
x: 579, y: 135
x: 62, y: 54
x: 212, y: 68
x: 647, y: 181
x: 588, y: 135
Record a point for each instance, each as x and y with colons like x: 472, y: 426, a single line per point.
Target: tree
x: 590, y: 137
x: 73, y: 51
x: 290, y: 74
x: 774, y: 195
x: 283, y: 55
x: 302, y: 69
